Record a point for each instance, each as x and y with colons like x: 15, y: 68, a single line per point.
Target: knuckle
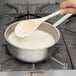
x: 66, y: 11
x: 71, y: 10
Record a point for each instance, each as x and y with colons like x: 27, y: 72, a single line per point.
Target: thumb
x: 68, y: 10
x: 65, y: 4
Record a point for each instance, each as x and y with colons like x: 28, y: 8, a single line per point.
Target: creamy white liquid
x: 38, y: 39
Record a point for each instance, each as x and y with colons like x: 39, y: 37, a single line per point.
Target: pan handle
x: 62, y: 19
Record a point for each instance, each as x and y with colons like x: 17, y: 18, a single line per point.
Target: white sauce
x: 37, y: 39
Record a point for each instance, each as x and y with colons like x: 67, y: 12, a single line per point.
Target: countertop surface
x: 49, y: 73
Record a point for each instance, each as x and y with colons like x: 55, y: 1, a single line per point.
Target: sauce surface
x: 37, y: 39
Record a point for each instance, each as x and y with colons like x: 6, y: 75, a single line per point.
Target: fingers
x: 65, y: 4
x: 68, y: 10
x: 67, y: 7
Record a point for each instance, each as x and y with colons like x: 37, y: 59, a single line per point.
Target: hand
x: 68, y: 6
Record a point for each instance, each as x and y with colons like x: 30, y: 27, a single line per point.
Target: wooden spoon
x: 26, y: 27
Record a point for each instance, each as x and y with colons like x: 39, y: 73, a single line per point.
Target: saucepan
x: 35, y: 55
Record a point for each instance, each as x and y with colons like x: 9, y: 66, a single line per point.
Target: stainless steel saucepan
x: 35, y: 55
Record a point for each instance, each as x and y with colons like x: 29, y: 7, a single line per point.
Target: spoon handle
x: 51, y: 15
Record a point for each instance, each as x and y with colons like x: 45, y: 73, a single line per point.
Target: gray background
x: 33, y: 1
x: 25, y: 1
